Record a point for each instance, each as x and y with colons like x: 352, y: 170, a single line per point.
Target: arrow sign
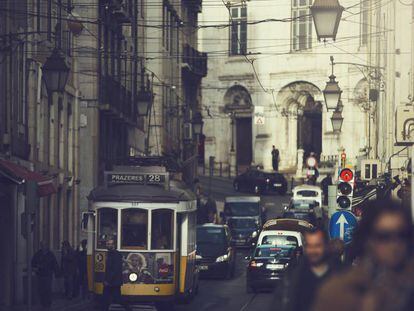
x: 342, y: 225
x: 342, y: 222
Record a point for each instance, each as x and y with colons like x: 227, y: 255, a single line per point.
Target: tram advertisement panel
x: 147, y: 268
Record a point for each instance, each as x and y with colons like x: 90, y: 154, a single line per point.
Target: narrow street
x: 230, y: 295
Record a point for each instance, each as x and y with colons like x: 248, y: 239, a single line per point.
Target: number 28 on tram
x: 154, y: 229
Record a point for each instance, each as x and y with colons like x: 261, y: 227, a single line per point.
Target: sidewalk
x: 59, y: 304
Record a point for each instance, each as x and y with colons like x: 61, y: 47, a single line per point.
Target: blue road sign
x: 341, y: 225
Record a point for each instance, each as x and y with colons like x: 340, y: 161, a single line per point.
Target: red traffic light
x: 346, y: 175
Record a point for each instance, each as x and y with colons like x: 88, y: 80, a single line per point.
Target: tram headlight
x: 133, y: 277
x: 223, y: 258
x: 254, y: 234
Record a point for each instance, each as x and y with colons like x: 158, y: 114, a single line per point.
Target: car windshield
x: 243, y: 223
x: 207, y: 235
x: 280, y: 241
x: 242, y: 209
x: 270, y: 251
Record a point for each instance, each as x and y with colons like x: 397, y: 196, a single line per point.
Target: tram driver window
x: 162, y: 232
x: 134, y: 228
x: 107, y: 226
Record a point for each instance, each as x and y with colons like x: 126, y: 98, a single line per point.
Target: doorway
x: 310, y: 129
x: 244, y: 150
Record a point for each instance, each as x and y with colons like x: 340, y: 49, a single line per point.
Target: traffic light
x: 345, y: 189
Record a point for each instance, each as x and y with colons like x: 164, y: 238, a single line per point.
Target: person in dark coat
x: 275, y: 158
x: 82, y: 270
x: 325, y: 183
x: 303, y: 281
x: 113, y: 276
x: 68, y: 267
x: 45, y: 265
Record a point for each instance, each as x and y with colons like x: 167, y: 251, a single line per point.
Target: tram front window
x: 162, y: 229
x: 134, y: 228
x: 107, y: 226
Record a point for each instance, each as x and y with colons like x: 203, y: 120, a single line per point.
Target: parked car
x: 215, y: 255
x: 259, y: 181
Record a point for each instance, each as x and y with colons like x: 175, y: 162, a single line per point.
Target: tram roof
x: 141, y: 193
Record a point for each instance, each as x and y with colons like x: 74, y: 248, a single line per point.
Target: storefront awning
x: 20, y: 174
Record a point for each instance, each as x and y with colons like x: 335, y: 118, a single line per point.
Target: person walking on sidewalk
x: 68, y: 266
x: 45, y: 265
x: 82, y: 270
x: 275, y: 158
x: 113, y: 276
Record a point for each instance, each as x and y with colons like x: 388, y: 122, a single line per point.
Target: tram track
x: 247, y: 304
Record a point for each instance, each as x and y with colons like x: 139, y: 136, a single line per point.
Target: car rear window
x: 269, y: 251
x: 288, y: 241
x: 207, y: 235
x: 307, y: 193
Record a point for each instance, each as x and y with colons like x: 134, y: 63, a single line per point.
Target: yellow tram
x: 153, y: 221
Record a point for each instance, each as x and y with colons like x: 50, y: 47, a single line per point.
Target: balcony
x: 116, y: 99
x: 120, y: 10
x: 194, y: 5
x: 194, y: 62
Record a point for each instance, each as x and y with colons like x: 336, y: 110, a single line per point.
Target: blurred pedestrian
x: 336, y: 251
x: 275, y: 158
x: 113, y: 276
x: 383, y: 279
x: 45, y: 265
x: 68, y: 267
x: 302, y: 282
x: 206, y: 208
x: 82, y: 269
x: 325, y: 183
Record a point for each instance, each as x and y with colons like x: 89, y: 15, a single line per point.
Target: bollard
x: 221, y: 169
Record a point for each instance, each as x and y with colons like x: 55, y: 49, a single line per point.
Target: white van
x: 309, y: 193
x: 283, y: 232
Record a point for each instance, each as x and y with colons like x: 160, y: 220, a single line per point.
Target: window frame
x: 239, y: 22
x: 97, y: 227
x: 364, y: 22
x: 297, y: 10
x: 149, y: 207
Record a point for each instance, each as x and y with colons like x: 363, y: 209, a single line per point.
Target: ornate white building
x: 264, y: 55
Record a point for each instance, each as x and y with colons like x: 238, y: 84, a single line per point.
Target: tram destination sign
x: 115, y: 178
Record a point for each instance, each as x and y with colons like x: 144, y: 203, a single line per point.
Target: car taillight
x: 358, y: 212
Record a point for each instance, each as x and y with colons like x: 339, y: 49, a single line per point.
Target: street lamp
x: 144, y: 100
x: 55, y: 72
x: 144, y: 97
x: 326, y: 17
x: 340, y: 106
x: 198, y: 124
x: 337, y: 121
x: 332, y: 91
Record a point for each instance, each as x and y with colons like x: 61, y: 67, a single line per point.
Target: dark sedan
x: 302, y: 210
x: 268, y: 265
x: 244, y: 231
x: 258, y: 181
x: 215, y: 254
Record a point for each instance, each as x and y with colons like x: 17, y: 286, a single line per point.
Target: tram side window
x: 162, y: 232
x: 107, y: 226
x: 134, y: 228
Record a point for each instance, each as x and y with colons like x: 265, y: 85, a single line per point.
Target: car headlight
x: 254, y: 234
x: 223, y: 258
x: 133, y: 277
x: 199, y: 257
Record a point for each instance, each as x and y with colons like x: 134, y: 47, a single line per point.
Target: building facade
x: 178, y: 69
x: 39, y: 138
x: 265, y: 60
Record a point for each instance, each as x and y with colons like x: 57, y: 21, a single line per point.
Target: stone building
x: 265, y: 59
x: 179, y: 67
x: 39, y: 138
